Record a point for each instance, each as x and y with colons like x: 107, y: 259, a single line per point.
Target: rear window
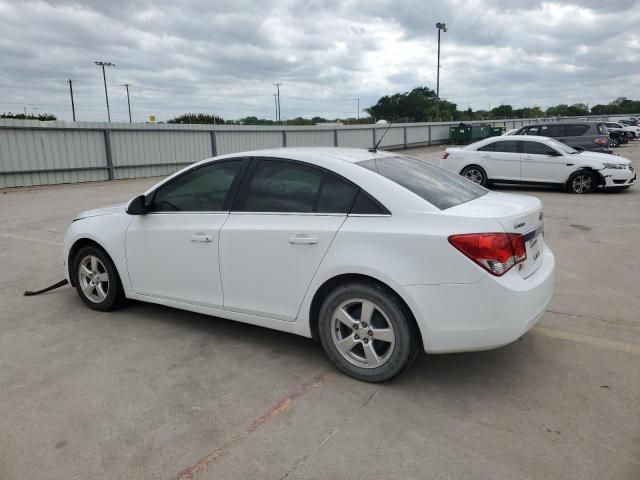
x: 602, y: 130
x: 437, y: 186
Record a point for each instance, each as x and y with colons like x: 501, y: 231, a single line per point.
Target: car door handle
x: 201, y: 237
x: 303, y: 239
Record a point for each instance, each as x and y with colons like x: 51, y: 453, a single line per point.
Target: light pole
x: 127, y: 85
x: 104, y: 78
x: 442, y: 27
x: 358, y: 108
x: 73, y: 105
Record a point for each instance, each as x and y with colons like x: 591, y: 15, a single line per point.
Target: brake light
x: 497, y: 253
x: 602, y: 141
x: 445, y: 156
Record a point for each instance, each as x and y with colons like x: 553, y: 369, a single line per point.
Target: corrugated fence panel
x: 310, y: 138
x: 394, y: 137
x: 240, y: 141
x: 439, y: 133
x: 142, y: 153
x: 46, y: 157
x: 417, y: 135
x: 352, y: 138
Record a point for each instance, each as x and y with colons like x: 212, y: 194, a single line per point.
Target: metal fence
x: 46, y: 153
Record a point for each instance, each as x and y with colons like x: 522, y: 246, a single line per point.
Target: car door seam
x: 220, y: 258
x: 313, y: 277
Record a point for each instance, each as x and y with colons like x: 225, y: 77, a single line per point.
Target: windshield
x: 436, y: 185
x: 563, y: 147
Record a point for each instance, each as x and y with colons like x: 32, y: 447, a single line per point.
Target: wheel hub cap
x: 93, y: 279
x: 362, y: 333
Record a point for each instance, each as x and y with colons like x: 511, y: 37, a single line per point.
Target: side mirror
x: 137, y: 206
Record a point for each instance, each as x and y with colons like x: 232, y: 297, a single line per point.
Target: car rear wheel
x: 366, y: 332
x: 96, y: 279
x: 582, y: 182
x: 475, y: 174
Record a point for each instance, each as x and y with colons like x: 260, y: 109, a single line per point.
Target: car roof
x: 350, y: 155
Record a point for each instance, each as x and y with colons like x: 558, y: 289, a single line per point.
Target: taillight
x: 445, y: 156
x: 602, y: 141
x: 497, y: 253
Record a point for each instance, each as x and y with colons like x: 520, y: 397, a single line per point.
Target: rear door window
x: 509, y: 146
x: 576, y: 130
x: 552, y: 131
x: 437, y: 186
x: 602, y: 129
x: 491, y: 147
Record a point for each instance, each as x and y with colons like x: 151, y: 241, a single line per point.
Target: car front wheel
x: 366, y: 332
x: 582, y: 182
x: 96, y: 279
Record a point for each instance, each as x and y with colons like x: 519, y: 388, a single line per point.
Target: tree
x: 502, y: 111
x: 417, y: 105
x: 43, y: 117
x: 197, y: 118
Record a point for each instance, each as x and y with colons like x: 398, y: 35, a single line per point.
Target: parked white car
x: 524, y: 159
x: 620, y: 127
x: 377, y: 255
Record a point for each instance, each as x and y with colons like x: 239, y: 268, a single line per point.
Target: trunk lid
x: 517, y: 214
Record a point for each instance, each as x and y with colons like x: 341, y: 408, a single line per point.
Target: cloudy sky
x: 223, y: 57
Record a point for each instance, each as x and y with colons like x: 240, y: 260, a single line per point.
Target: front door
x: 172, y: 251
x: 543, y: 163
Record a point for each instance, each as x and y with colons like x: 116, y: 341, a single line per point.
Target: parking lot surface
x: 151, y: 392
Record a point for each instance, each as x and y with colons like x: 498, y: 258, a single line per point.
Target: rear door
x: 282, y: 225
x: 502, y: 160
x: 542, y: 163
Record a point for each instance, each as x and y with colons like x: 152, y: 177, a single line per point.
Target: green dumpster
x: 497, y: 131
x: 480, y: 132
x: 460, y: 134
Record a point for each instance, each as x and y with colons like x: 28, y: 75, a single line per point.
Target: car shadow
x: 503, y: 367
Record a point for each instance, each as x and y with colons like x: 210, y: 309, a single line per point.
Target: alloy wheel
x: 582, y: 183
x: 362, y: 333
x: 93, y: 278
x: 474, y: 175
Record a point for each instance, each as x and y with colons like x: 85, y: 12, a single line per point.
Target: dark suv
x: 592, y: 136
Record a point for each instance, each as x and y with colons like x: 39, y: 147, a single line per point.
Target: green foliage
x: 43, y: 117
x: 418, y: 105
x: 620, y: 105
x: 563, y: 110
x: 197, y: 118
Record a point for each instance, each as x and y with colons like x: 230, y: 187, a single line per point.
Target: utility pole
x: 279, y: 109
x: 441, y: 27
x: 358, y: 109
x: 73, y: 105
x: 104, y: 78
x: 275, y: 101
x: 126, y: 85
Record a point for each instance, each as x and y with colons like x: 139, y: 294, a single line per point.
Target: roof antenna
x: 375, y: 149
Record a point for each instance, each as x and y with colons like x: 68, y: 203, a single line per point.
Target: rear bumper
x: 488, y: 314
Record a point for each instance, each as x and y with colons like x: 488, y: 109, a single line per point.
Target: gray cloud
x: 223, y: 57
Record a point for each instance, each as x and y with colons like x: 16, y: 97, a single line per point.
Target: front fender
x: 108, y: 231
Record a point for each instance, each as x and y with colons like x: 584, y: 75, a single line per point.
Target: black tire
x: 582, y: 181
x: 475, y: 173
x: 97, y: 291
x: 389, y: 317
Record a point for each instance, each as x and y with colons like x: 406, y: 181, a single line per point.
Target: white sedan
x: 377, y: 255
x: 523, y: 159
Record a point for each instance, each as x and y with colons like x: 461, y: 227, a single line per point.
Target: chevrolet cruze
x: 377, y: 255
